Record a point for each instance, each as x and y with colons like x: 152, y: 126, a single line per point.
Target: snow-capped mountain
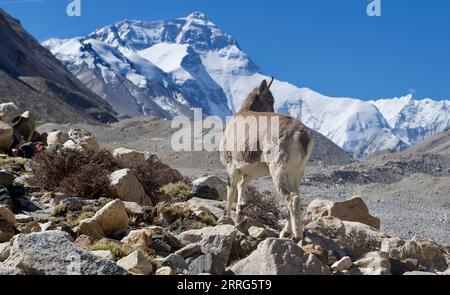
x: 169, y: 67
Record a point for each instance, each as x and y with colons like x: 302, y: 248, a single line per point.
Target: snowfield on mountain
x: 167, y: 68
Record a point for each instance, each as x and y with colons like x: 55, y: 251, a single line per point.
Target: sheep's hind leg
x: 233, y: 179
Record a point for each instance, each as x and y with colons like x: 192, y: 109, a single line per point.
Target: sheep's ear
x: 263, y: 86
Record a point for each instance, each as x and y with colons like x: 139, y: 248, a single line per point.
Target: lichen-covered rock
x: 57, y: 138
x: 53, y: 253
x: 213, y: 240
x: 128, y: 188
x: 140, y: 239
x: 353, y: 209
x: 85, y: 139
x: 209, y: 187
x: 136, y: 263
x: 280, y: 257
x: 374, y: 263
x: 129, y: 156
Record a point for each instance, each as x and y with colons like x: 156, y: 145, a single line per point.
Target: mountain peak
x: 197, y: 15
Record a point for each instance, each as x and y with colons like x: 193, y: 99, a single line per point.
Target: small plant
x: 74, y: 172
x: 173, y: 212
x: 179, y: 191
x: 60, y: 210
x: 117, y: 249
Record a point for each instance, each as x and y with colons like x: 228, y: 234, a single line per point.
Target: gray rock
x: 129, y: 156
x: 191, y: 250
x: 209, y: 187
x: 5, y: 249
x: 176, y: 263
x: 128, y: 188
x: 136, y: 263
x: 213, y: 240
x: 280, y: 257
x: 53, y: 253
x: 374, y: 263
x: 343, y: 264
x: 203, y: 264
x: 5, y: 197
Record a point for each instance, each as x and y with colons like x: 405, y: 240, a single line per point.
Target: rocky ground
x: 67, y: 206
x: 412, y: 186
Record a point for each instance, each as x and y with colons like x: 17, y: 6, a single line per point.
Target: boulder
x: 215, y: 207
x: 134, y: 209
x: 203, y: 264
x: 84, y: 242
x: 53, y: 253
x: 191, y: 250
x: 344, y: 264
x: 213, y: 240
x: 108, y: 220
x: 7, y: 224
x: 176, y: 263
x: 70, y: 144
x: 26, y: 126
x: 139, y: 239
x: 6, y: 137
x: 374, y: 263
x: 31, y: 227
x: 7, y: 217
x: 6, y: 178
x: 167, y: 237
x: 209, y: 187
x: 354, y: 238
x: 103, y: 254
x: 91, y: 228
x: 57, y: 138
x: 128, y: 188
x: 317, y: 251
x: 84, y: 139
x: 129, y: 156
x: 165, y: 271
x: 5, y: 249
x: 23, y: 218
x: 353, y: 209
x: 8, y: 112
x: 279, y: 257
x: 261, y: 233
x: 5, y: 197
x: 136, y: 263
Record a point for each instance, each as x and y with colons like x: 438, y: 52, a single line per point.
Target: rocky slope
x: 31, y: 77
x: 74, y: 208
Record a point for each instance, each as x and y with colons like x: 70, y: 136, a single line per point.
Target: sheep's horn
x: 270, y: 84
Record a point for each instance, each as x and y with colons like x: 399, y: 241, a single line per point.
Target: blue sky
x: 331, y: 46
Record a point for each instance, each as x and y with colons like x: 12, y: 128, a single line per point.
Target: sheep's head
x: 260, y: 100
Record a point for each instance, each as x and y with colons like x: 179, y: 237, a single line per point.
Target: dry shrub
x: 179, y: 191
x: 74, y: 172
x: 178, y: 217
x: 86, y: 173
x: 154, y: 175
x: 262, y: 207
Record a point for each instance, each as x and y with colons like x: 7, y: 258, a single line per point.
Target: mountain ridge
x: 32, y: 78
x: 225, y: 74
